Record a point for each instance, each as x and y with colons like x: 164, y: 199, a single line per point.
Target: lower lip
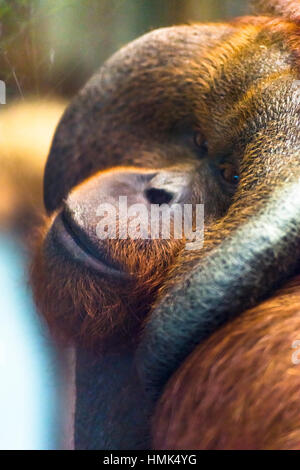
x: 61, y: 236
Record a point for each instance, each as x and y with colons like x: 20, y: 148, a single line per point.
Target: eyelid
x: 200, y: 142
x: 233, y: 176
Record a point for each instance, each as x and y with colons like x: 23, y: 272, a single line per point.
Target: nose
x: 140, y: 186
x: 158, y: 196
x: 167, y: 187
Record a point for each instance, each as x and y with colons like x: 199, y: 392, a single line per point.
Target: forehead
x: 185, y: 68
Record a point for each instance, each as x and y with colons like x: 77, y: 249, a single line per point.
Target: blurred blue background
x: 29, y: 399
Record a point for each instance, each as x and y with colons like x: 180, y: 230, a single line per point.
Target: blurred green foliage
x: 53, y: 47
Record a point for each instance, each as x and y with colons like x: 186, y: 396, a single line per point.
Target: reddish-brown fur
x: 112, y: 310
x: 283, y: 8
x: 240, y: 389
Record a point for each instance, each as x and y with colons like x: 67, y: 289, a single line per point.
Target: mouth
x: 74, y: 246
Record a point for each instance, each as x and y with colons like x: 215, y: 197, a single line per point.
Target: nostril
x: 158, y: 196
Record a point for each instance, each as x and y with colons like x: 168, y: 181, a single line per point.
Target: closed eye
x: 200, y: 144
